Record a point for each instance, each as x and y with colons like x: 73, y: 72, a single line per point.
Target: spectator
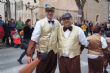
x: 28, y: 29
x: 7, y: 33
x: 12, y: 25
x: 1, y: 21
x: 12, y: 28
x: 84, y: 28
x: 1, y: 29
x: 19, y: 25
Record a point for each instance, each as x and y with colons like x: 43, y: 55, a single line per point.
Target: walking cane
x: 29, y: 68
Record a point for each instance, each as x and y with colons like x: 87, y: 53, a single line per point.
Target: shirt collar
x: 48, y: 19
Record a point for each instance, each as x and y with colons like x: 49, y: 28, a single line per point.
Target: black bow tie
x: 51, y: 22
x: 69, y: 28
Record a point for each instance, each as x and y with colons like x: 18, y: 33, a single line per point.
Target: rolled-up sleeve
x: 82, y: 38
x: 104, y: 43
x: 36, y: 33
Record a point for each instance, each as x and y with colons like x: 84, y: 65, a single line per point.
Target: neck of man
x: 50, y: 19
x: 65, y: 25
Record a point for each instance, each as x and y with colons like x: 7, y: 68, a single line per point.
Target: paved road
x: 9, y: 64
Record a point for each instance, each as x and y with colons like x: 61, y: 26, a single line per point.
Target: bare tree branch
x: 97, y: 1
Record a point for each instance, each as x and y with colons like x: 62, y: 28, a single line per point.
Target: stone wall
x: 62, y: 6
x: 93, y: 10
x: 2, y: 10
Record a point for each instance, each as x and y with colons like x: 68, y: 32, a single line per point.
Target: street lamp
x: 30, y: 7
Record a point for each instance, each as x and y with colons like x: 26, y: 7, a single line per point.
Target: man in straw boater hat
x: 45, y: 37
x: 97, y: 44
x: 70, y: 38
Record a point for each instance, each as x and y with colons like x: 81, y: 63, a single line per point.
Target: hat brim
x: 66, y: 18
x: 52, y: 9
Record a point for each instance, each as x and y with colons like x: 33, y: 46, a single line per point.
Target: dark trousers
x: 24, y: 46
x: 69, y: 65
x: 22, y: 55
x: 106, y: 58
x: 19, y: 32
x: 49, y: 65
x: 96, y: 65
x: 6, y: 40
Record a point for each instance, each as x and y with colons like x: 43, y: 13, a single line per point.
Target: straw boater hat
x: 50, y: 8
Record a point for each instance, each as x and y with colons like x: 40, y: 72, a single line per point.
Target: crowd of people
x: 10, y: 30
x: 16, y: 34
x: 63, y: 42
x: 66, y: 42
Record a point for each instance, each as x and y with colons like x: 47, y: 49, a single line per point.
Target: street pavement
x: 9, y: 64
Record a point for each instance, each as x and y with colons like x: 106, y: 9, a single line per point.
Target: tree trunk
x: 8, y: 11
x: 80, y: 5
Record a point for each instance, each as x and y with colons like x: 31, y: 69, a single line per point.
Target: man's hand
x: 29, y: 59
x: 31, y: 48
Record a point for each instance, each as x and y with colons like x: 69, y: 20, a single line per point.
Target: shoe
x: 19, y: 61
x: 105, y: 71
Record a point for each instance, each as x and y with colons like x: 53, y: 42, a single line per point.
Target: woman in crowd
x: 12, y: 27
x: 27, y: 32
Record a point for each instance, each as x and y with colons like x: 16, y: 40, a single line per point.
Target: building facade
x: 96, y: 12
x: 2, y: 10
x: 19, y: 9
x: 24, y: 12
x: 61, y: 6
x: 93, y: 11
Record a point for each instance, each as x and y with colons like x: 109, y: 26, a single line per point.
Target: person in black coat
x: 7, y: 33
x: 28, y: 29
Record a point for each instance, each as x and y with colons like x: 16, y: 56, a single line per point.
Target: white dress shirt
x: 82, y: 37
x: 82, y: 40
x: 104, y: 43
x: 67, y: 33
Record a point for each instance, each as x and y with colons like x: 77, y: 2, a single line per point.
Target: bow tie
x: 51, y: 22
x: 69, y: 28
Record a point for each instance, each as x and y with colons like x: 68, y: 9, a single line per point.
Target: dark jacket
x: 12, y: 26
x: 1, y: 22
x: 27, y: 36
x: 27, y: 32
x: 6, y: 29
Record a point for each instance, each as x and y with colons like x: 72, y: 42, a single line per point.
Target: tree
x: 8, y: 10
x: 97, y: 1
x: 34, y: 1
x: 80, y: 4
x: 108, y: 0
